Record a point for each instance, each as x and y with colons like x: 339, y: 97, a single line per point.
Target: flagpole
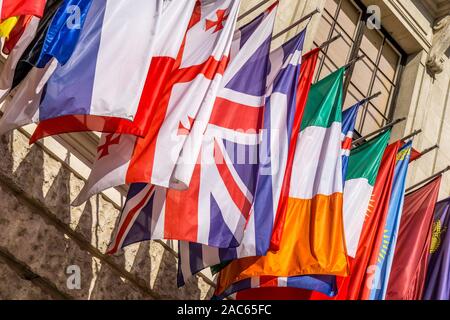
x: 365, y: 100
x: 351, y: 62
x: 411, y: 135
x: 389, y: 125
x: 296, y: 23
x: 428, y: 179
x: 328, y: 42
x: 253, y: 9
x: 428, y: 150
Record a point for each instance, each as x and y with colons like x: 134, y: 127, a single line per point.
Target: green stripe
x: 365, y: 160
x: 324, y: 104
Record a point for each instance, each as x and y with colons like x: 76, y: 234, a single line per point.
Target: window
x: 378, y: 71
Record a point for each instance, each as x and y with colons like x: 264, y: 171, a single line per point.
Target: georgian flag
x: 218, y: 203
x: 189, y: 79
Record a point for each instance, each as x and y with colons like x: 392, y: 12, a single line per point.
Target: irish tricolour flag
x: 363, y: 166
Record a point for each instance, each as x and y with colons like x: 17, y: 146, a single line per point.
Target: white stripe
x: 317, y: 166
x: 357, y: 194
x: 254, y: 282
x: 23, y: 109
x: 186, y: 264
x: 117, y: 91
x: 158, y: 213
x: 242, y: 98
x: 232, y: 135
x: 282, y: 281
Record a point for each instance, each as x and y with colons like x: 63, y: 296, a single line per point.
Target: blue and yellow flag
x: 387, y: 246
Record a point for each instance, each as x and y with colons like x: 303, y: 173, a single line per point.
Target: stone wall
x: 41, y: 235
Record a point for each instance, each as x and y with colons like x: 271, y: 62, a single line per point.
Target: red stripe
x: 130, y: 215
x: 181, y: 214
x: 304, y: 84
x: 81, y: 123
x: 347, y: 143
x: 236, y: 116
x: 233, y: 189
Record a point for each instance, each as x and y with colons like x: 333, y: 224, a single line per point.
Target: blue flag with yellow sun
x: 387, y: 246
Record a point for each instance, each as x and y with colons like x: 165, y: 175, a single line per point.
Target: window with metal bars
x: 379, y: 70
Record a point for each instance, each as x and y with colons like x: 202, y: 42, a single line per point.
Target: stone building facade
x: 44, y: 241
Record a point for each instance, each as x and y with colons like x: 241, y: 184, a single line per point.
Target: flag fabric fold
x: 409, y: 267
x: 9, y: 68
x: 364, y: 162
x: 10, y: 8
x: 95, y: 96
x: 437, y: 284
x: 167, y: 118
x: 216, y: 211
x: 289, y: 81
x: 64, y: 32
x: 312, y: 241
x: 31, y: 54
x: 385, y: 251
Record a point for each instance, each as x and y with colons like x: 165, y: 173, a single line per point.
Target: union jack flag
x: 215, y: 208
x: 280, y: 109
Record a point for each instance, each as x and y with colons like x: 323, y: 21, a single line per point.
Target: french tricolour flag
x: 217, y: 205
x: 99, y: 88
x: 279, y: 111
x: 186, y: 81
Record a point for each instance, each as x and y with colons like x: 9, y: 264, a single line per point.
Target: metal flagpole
x: 328, y: 42
x: 411, y: 135
x: 253, y: 9
x: 428, y: 150
x: 389, y: 125
x: 296, y: 23
x: 428, y: 179
x: 351, y: 62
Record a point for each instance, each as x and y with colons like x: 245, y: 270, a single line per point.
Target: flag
x: 194, y: 257
x: 7, y: 26
x: 132, y: 159
x: 312, y: 241
x: 31, y: 54
x: 9, y: 8
x: 16, y: 34
x: 64, y: 32
x: 387, y: 247
x: 353, y: 286
x: 9, y: 68
x: 22, y: 108
x: 437, y: 284
x: 321, y: 283
x: 95, y: 96
x: 348, y: 127
x: 364, y: 163
x: 409, y: 267
x: 212, y: 213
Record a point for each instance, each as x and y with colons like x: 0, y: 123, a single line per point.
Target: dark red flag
x: 409, y: 267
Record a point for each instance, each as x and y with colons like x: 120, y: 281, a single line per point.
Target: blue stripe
x: 64, y: 31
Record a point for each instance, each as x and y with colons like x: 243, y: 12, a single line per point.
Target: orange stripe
x: 312, y: 243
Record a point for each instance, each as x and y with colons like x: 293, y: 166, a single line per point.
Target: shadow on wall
x: 35, y: 217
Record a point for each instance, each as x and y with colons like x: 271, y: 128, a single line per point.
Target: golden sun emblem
x: 436, y: 236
